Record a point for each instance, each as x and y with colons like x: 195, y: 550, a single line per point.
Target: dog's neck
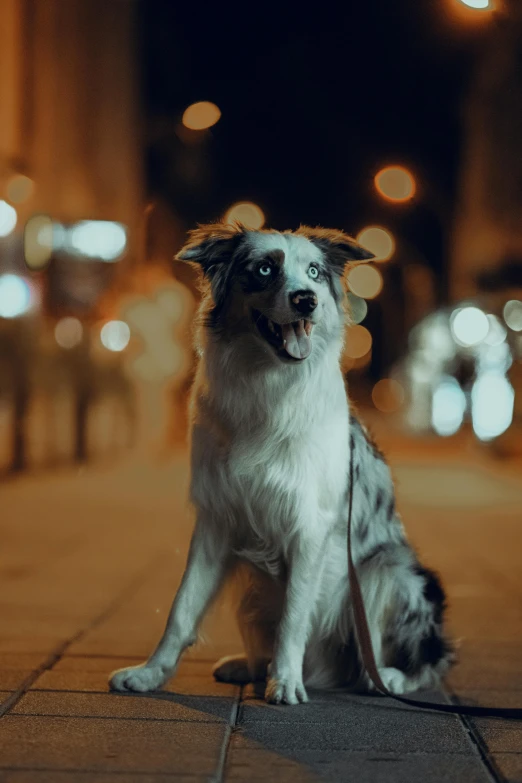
x: 243, y: 395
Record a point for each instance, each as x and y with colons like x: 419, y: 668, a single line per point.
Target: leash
x: 366, y: 649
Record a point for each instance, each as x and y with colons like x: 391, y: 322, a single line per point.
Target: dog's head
x: 281, y: 291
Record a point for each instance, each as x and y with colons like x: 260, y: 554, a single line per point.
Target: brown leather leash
x: 368, y: 658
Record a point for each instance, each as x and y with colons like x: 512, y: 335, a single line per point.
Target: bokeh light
x: 497, y: 331
x: 19, y: 188
x: 246, y: 213
x: 365, y: 281
x: 477, y: 4
x: 358, y: 341
x: 448, y: 407
x: 38, y: 241
x: 378, y: 241
x: 469, y: 325
x: 358, y: 308
x: 115, y: 335
x: 8, y: 218
x: 492, y: 402
x: 68, y: 332
x: 101, y: 239
x: 15, y: 296
x: 388, y: 395
x: 201, y: 115
x: 513, y: 315
x: 395, y: 183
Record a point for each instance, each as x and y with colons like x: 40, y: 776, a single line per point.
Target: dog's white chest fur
x: 281, y: 475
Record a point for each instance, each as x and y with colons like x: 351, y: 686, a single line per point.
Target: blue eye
x: 265, y: 270
x: 313, y: 272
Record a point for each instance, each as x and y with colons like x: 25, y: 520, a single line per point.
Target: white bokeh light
x: 115, y: 335
x: 481, y: 5
x: 15, y: 296
x: 492, y: 401
x: 8, y: 218
x: 97, y: 239
x: 448, y: 407
x: 494, y: 357
x: 497, y: 331
x: 513, y: 315
x: 469, y: 325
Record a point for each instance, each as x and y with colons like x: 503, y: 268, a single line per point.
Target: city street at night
x: 229, y: 236
x: 90, y: 561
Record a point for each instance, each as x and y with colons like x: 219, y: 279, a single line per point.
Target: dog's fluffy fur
x: 272, y: 436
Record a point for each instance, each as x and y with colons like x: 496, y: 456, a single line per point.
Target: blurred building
x: 70, y: 149
x: 488, y: 231
x: 68, y: 92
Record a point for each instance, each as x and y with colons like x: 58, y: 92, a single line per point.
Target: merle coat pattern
x: 272, y: 433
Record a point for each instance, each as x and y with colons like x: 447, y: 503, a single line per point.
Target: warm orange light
x: 388, y: 395
x: 68, y: 332
x: 201, y: 115
x: 378, y: 241
x: 19, y: 188
x: 358, y: 342
x: 246, y: 213
x: 365, y: 281
x: 395, y: 183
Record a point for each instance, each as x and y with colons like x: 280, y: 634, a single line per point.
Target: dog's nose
x: 304, y: 301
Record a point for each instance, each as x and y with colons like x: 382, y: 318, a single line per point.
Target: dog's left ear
x: 211, y: 245
x: 338, y: 248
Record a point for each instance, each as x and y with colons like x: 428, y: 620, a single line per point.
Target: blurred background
x: 125, y: 122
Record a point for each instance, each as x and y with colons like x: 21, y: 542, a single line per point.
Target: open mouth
x: 290, y: 341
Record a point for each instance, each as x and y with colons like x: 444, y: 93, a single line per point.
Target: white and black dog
x: 272, y: 434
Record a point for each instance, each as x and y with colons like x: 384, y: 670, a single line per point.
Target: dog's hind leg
x: 232, y: 668
x: 404, y: 605
x: 258, y: 632
x: 204, y: 574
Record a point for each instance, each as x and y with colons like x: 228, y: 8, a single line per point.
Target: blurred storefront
x: 70, y: 220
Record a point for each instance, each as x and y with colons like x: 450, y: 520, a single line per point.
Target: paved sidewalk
x: 88, y: 565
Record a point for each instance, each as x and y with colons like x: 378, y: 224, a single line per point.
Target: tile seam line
x: 219, y: 774
x: 477, y: 742
x: 216, y: 722
x: 134, y: 584
x: 97, y: 771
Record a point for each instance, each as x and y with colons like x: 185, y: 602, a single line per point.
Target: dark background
x: 313, y: 104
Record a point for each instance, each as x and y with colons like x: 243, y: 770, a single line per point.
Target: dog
x: 272, y: 433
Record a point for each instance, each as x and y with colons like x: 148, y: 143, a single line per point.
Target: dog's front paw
x: 285, y: 690
x: 147, y: 677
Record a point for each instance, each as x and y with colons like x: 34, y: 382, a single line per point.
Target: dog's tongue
x: 295, y: 340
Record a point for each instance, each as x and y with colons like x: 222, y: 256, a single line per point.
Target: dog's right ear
x: 211, y: 245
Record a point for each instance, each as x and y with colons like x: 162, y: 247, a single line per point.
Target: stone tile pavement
x: 88, y: 565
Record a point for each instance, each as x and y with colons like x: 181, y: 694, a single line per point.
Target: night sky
x: 312, y: 105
